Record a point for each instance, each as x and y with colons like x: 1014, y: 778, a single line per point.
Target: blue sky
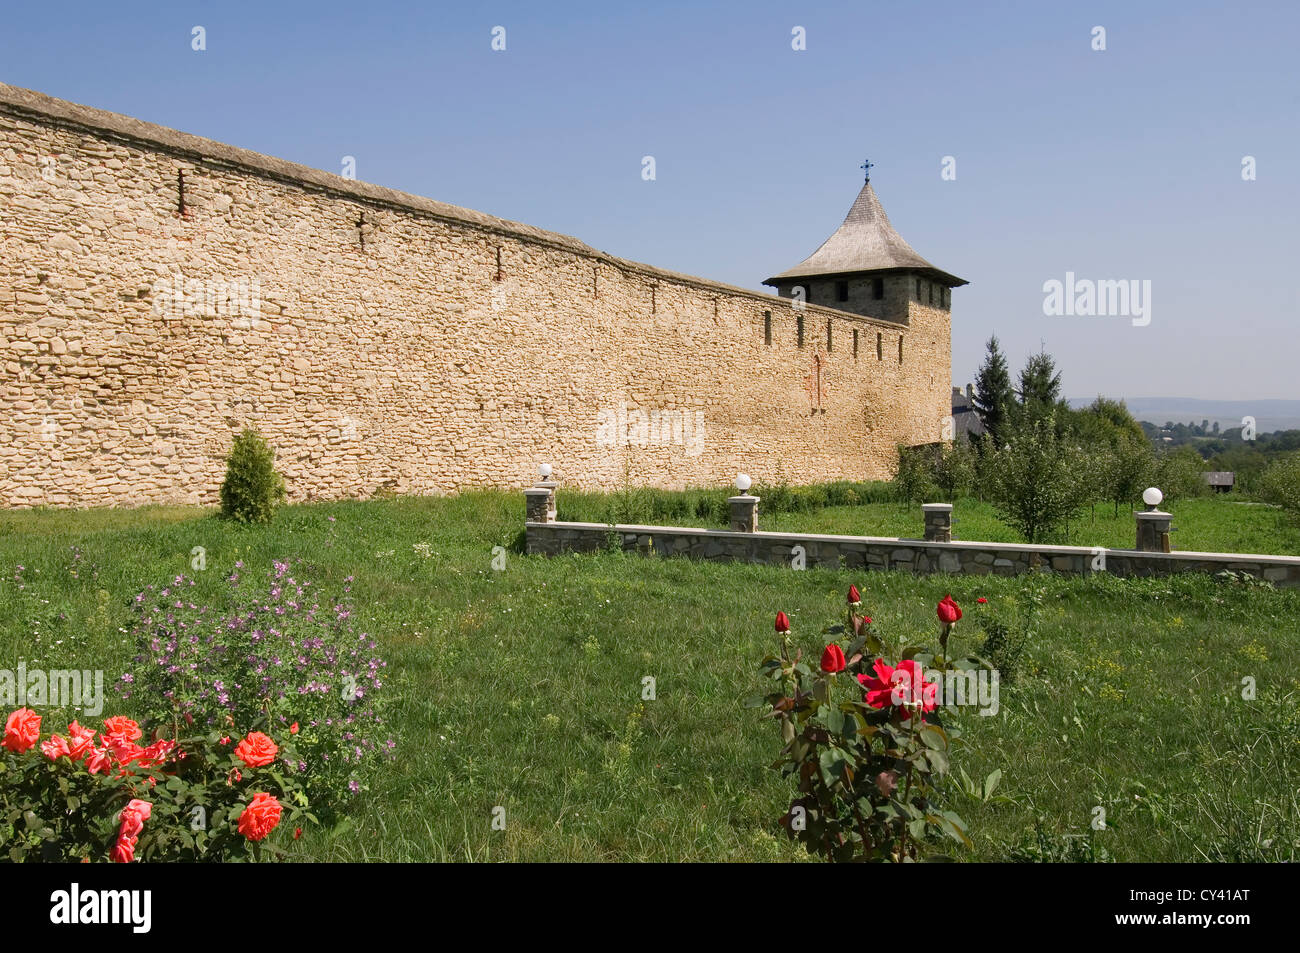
x: 1122, y: 164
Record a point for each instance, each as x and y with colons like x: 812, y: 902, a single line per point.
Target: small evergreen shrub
x: 252, y: 488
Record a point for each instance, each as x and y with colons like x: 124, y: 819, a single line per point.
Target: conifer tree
x: 993, y: 392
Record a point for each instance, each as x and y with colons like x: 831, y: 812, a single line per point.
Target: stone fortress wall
x: 386, y: 342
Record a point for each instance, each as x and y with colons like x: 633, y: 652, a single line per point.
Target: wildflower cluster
x: 279, y: 651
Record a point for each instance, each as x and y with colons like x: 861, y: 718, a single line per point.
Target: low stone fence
x: 546, y: 535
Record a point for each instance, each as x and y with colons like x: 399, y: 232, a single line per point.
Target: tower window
x: 877, y: 288
x: 767, y: 327
x: 855, y: 344
x: 900, y: 349
x: 798, y: 328
x: 830, y: 345
x: 931, y: 293
x: 841, y: 291
x: 918, y: 289
x: 880, y: 353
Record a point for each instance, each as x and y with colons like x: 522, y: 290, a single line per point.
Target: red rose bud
x: 293, y: 729
x: 854, y: 598
x: 949, y: 611
x: 981, y: 600
x: 782, y: 622
x: 833, y: 659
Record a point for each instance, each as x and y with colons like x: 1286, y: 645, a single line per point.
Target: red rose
x: 132, y: 819
x: 260, y: 817
x: 124, y: 752
x: 98, y: 760
x: 833, y: 659
x: 81, y: 742
x: 910, y: 687
x: 56, y: 747
x: 854, y: 598
x: 782, y: 622
x: 949, y: 611
x: 22, y: 730
x: 899, y: 687
x: 880, y: 687
x: 257, y: 750
x: 981, y: 600
x: 156, y: 753
x: 121, y: 727
x: 293, y: 730
x: 297, y: 832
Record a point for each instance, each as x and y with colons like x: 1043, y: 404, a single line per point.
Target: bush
x: 867, y: 767
x: 285, y: 654
x: 252, y: 488
x: 1005, y: 639
x: 183, y: 797
x: 1280, y: 483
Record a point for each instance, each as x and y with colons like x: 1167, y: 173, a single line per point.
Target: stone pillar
x: 1153, y: 531
x: 744, y: 513
x: 537, y: 505
x: 549, y: 486
x: 938, y: 522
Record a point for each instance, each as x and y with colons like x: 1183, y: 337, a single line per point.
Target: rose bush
x: 867, y: 753
x: 98, y: 796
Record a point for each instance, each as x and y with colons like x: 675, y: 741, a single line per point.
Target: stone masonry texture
x: 383, y: 342
x: 911, y: 555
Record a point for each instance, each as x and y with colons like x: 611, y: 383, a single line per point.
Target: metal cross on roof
x: 866, y: 168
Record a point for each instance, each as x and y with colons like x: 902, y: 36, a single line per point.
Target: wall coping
x: 30, y: 105
x: 905, y: 542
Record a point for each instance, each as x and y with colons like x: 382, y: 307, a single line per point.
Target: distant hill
x: 1269, y: 415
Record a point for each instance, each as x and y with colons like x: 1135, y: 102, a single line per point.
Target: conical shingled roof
x: 865, y: 242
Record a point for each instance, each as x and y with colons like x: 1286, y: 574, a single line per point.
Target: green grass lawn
x: 521, y: 688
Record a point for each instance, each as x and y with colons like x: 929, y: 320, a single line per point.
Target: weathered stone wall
x: 911, y: 555
x: 382, y: 341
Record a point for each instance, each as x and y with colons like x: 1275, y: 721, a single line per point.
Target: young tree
x: 914, y: 481
x: 1130, y: 470
x: 953, y: 470
x: 993, y: 392
x: 1036, y: 479
x: 1179, y: 474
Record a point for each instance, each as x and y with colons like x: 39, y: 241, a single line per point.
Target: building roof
x: 966, y: 422
x: 864, y: 242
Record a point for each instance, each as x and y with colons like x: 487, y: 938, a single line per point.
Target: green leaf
x: 833, y: 719
x: 991, y: 782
